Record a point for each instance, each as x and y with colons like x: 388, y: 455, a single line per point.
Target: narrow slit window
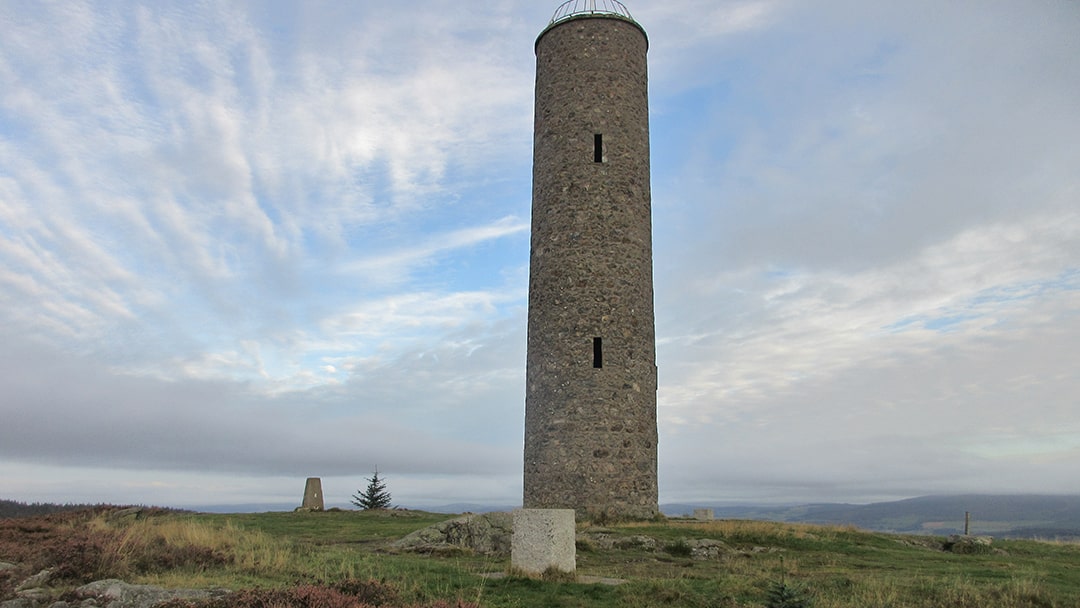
x: 597, y: 353
x: 598, y: 148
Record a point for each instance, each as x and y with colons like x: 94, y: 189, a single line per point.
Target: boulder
x: 110, y: 593
x: 114, y: 593
x: 698, y: 549
x: 707, y: 549
x: 487, y: 534
x: 39, y: 580
x: 638, y: 541
x: 35, y: 594
x: 603, y: 540
x: 969, y: 545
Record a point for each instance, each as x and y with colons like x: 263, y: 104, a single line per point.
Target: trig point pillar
x: 313, y: 496
x: 590, y: 405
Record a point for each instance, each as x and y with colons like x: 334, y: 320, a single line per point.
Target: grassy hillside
x: 347, y: 555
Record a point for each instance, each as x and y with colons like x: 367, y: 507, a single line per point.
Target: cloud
x: 946, y: 416
x: 887, y: 137
x: 96, y: 417
x: 890, y: 262
x: 805, y: 327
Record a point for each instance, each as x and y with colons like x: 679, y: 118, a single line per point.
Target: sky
x: 247, y: 243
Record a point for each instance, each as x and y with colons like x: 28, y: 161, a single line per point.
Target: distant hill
x: 253, y: 507
x: 1017, y: 516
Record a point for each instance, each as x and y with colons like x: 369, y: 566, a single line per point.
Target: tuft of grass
x: 679, y: 548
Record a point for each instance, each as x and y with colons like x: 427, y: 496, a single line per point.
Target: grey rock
x: 701, y: 549
x: 638, y: 541
x: 969, y: 545
x: 707, y: 549
x: 114, y: 593
x: 7, y: 566
x: 605, y: 541
x: 19, y: 602
x: 36, y: 594
x: 596, y: 540
x: 488, y: 534
x: 41, y: 579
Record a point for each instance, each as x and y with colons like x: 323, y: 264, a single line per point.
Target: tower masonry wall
x: 590, y: 407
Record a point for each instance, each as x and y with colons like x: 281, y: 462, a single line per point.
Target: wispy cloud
x: 395, y: 266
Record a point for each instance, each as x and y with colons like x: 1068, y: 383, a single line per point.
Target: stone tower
x: 590, y: 405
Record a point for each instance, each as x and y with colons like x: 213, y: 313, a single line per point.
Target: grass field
x: 828, y: 567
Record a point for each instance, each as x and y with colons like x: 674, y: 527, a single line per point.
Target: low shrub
x: 371, y: 592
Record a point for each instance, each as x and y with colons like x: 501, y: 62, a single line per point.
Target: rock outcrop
x: 969, y: 545
x: 34, y: 592
x: 487, y: 534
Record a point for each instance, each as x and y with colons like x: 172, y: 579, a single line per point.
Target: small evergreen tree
x: 783, y: 595
x: 374, y: 496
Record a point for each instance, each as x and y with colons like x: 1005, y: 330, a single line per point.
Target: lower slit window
x: 597, y: 353
x: 598, y: 148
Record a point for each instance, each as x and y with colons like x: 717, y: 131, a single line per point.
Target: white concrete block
x: 543, y: 539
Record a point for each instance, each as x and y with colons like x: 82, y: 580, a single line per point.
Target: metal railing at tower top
x: 573, y: 8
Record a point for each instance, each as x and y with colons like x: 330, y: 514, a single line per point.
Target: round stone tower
x: 590, y: 405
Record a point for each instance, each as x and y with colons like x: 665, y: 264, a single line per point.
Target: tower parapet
x: 586, y: 9
x: 572, y: 8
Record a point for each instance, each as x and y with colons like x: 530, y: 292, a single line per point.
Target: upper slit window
x: 597, y: 353
x: 598, y: 148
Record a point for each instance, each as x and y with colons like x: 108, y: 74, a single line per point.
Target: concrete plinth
x: 543, y: 540
x: 313, y: 496
x: 703, y: 514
